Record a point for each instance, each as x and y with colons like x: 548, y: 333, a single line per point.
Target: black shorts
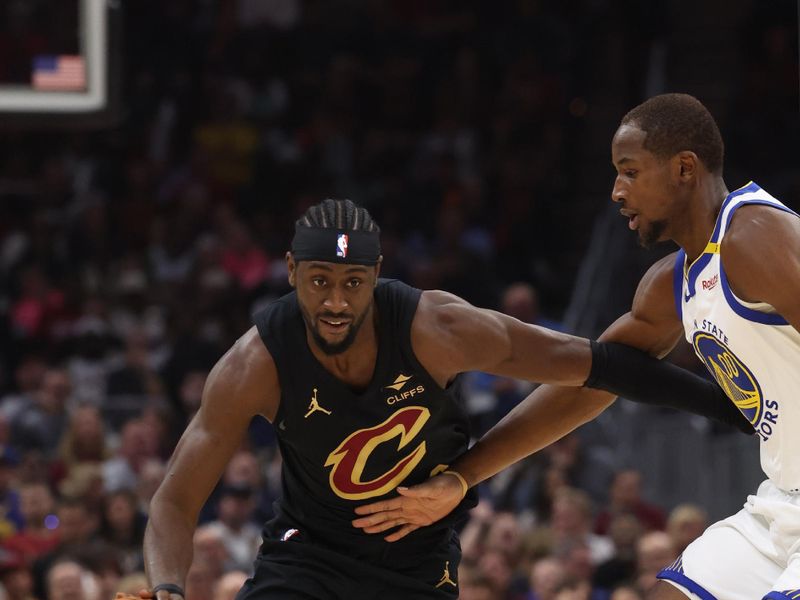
x: 295, y: 570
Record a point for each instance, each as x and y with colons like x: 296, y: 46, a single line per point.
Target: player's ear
x: 292, y: 268
x: 686, y: 164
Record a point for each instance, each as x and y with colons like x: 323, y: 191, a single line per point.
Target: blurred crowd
x: 132, y: 257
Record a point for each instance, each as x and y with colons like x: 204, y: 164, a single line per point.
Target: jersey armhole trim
x: 677, y: 282
x: 264, y: 335
x: 689, y: 584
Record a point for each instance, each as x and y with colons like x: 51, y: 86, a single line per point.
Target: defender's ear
x: 686, y: 165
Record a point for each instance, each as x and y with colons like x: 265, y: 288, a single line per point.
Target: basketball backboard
x: 57, y: 60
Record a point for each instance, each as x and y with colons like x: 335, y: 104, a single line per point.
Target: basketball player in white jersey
x: 733, y: 290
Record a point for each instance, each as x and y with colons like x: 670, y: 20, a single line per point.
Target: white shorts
x: 755, y: 554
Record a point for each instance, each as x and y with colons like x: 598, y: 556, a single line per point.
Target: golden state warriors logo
x: 732, y: 375
x: 350, y: 457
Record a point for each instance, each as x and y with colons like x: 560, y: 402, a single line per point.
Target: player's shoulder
x: 660, y: 276
x: 248, y: 363
x: 439, y: 308
x: 249, y: 351
x: 440, y: 298
x: 248, y: 373
x: 655, y: 296
x: 760, y: 226
x: 759, y: 250
x: 439, y: 314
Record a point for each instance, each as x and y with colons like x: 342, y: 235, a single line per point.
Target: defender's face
x: 643, y: 186
x: 335, y: 299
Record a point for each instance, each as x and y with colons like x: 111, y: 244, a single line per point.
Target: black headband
x: 336, y: 245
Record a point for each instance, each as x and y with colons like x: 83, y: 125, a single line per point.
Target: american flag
x: 65, y: 73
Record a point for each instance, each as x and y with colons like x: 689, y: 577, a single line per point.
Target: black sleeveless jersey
x: 343, y: 449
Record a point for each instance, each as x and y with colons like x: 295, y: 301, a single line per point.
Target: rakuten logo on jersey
x: 709, y: 284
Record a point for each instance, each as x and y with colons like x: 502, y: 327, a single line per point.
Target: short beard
x: 652, y: 235
x: 324, y: 345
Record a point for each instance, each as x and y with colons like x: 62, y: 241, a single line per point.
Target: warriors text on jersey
x: 752, y: 352
x: 342, y: 448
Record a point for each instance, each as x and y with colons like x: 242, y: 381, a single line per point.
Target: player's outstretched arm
x: 450, y: 336
x: 241, y: 385
x: 545, y: 416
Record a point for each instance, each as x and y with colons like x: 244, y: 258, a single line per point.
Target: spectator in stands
x: 653, y: 552
x: 494, y: 564
x: 240, y: 535
x: 15, y: 576
x: 626, y: 592
x: 625, y: 531
x: 28, y: 376
x: 84, y: 482
x: 11, y: 517
x: 38, y: 535
x: 211, y: 552
x: 571, y: 524
x: 68, y: 580
x: 244, y: 470
x: 40, y: 424
x: 229, y: 585
x: 136, y: 447
x: 133, y: 384
x: 474, y: 585
x: 546, y: 577
x: 574, y: 589
x: 626, y: 497
x: 685, y: 524
x: 84, y: 440
x: 122, y: 527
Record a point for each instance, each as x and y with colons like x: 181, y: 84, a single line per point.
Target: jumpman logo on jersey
x: 446, y: 576
x: 314, y: 406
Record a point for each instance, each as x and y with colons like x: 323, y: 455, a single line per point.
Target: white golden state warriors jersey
x: 752, y: 352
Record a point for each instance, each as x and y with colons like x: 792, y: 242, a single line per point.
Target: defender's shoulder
x: 660, y: 275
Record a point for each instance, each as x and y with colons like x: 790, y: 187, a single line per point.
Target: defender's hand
x: 416, y: 507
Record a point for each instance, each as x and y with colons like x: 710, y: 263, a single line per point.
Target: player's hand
x: 416, y: 507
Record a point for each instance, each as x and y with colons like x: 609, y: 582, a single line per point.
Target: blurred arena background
x: 155, y: 154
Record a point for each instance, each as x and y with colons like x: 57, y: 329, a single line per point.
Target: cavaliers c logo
x: 350, y: 458
x: 732, y: 375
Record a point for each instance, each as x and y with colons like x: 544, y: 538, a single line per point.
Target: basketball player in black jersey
x: 357, y: 374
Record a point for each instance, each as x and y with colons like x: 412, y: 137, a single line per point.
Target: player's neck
x: 701, y: 217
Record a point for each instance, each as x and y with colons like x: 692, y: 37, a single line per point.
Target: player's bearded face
x: 324, y: 320
x: 651, y: 232
x: 335, y: 300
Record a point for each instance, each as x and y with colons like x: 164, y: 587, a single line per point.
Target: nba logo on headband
x: 352, y: 247
x: 341, y: 245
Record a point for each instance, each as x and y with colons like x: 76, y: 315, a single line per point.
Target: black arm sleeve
x: 637, y: 376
